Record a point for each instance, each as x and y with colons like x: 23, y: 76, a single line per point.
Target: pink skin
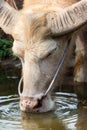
x: 30, y: 104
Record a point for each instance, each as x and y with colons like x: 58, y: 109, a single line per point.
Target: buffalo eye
x: 50, y: 53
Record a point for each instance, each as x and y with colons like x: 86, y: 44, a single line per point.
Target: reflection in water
x: 82, y: 119
x: 65, y: 117
x: 46, y: 121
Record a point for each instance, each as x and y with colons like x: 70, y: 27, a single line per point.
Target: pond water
x: 66, y: 116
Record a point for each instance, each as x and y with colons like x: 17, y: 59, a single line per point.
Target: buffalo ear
x: 8, y: 17
x: 68, y: 20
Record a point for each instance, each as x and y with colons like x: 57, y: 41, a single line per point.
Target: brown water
x: 66, y: 116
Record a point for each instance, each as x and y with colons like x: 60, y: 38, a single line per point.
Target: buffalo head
x: 40, y: 36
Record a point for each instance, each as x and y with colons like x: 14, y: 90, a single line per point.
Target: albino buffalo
x: 44, y: 35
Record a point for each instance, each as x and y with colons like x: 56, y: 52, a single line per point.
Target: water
x: 66, y: 116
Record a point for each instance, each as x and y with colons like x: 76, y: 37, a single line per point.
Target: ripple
x: 9, y: 113
x: 67, y: 109
x: 64, y: 117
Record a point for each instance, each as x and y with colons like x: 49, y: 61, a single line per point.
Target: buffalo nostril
x: 39, y: 104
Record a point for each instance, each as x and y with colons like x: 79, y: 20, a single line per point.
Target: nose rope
x: 21, y: 80
x: 58, y: 68
x: 19, y: 86
x: 55, y: 76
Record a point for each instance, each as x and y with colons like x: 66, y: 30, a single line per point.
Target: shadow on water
x: 66, y: 116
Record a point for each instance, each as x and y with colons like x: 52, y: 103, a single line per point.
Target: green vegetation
x: 5, y: 49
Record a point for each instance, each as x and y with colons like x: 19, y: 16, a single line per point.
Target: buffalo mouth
x: 31, y: 104
x: 41, y: 103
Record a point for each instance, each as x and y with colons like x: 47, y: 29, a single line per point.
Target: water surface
x: 66, y: 115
